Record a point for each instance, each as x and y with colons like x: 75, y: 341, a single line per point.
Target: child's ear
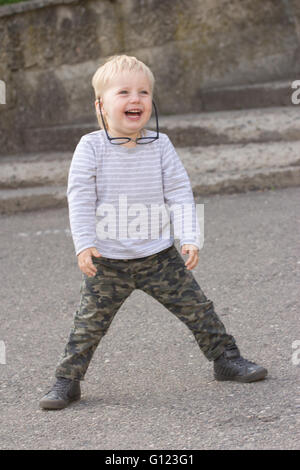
x: 98, y: 103
x: 102, y: 108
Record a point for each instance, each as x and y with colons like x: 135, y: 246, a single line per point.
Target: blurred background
x: 223, y: 70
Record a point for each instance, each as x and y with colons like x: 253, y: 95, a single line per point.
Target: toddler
x: 124, y: 164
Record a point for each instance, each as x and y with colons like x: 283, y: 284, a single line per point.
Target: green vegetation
x: 6, y: 2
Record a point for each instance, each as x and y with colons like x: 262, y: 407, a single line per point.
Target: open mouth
x: 133, y: 114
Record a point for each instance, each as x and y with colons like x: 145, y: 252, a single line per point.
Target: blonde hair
x: 113, y: 66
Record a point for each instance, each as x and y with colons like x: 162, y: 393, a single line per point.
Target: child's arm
x: 82, y: 198
x: 178, y: 190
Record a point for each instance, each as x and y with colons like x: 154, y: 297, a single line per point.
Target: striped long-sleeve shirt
x: 121, y: 200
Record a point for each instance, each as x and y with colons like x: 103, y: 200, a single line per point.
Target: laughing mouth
x: 133, y: 112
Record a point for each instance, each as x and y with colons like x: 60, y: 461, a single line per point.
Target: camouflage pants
x: 165, y: 277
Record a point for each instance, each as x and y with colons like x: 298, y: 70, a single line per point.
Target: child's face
x: 128, y: 91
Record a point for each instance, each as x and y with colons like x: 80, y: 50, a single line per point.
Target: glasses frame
x: 150, y: 139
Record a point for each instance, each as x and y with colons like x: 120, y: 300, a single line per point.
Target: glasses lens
x: 146, y: 140
x: 119, y: 140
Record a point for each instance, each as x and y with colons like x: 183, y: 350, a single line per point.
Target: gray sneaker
x: 63, y: 392
x: 232, y: 366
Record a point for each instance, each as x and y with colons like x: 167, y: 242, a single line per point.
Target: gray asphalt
x: 149, y: 386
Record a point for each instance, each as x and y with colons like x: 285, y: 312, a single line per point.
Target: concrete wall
x: 49, y: 50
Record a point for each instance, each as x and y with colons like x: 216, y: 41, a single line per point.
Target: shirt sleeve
x: 178, y: 193
x: 82, y: 196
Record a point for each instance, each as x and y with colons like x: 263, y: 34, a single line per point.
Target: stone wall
x: 50, y: 49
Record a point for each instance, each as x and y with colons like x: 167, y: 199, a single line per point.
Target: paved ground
x: 148, y: 385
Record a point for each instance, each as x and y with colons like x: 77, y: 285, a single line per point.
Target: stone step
x: 28, y: 199
x: 236, y: 159
x: 41, y: 169
x: 44, y: 169
x: 258, y: 95
x: 41, y: 181
x: 247, y: 180
x: 231, y: 127
x: 207, y: 128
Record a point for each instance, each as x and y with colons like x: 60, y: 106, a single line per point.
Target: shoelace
x: 243, y: 362
x: 60, y: 385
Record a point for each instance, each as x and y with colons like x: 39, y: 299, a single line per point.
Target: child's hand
x: 85, y: 261
x: 193, y: 258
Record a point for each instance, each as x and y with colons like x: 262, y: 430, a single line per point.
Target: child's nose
x: 134, y: 97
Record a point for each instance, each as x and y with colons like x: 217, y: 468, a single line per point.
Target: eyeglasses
x: 124, y: 140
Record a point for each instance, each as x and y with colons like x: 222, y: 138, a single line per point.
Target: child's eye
x: 145, y: 92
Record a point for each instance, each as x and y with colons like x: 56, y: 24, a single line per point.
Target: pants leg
x: 174, y: 286
x: 101, y: 298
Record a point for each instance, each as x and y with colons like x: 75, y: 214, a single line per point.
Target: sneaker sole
x: 258, y: 375
x: 57, y: 405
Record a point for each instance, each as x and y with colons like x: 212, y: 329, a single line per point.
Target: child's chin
x: 136, y: 126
